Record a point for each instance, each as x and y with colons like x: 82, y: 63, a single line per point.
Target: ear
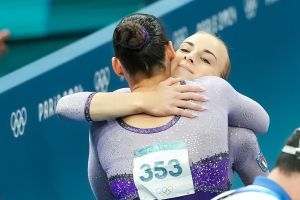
x: 117, y: 66
x: 170, y: 50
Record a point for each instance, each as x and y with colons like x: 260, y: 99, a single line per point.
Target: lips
x: 186, y: 68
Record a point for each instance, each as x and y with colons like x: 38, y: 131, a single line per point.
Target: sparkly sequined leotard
x: 212, y: 152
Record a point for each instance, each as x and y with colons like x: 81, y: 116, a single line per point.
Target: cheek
x: 179, y: 55
x: 206, y: 71
x: 214, y: 70
x: 173, y: 65
x: 175, y: 62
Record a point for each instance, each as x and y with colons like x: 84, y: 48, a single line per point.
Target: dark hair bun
x: 132, y: 36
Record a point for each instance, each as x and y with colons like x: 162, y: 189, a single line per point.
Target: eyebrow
x: 205, y: 50
x: 190, y: 43
x: 208, y: 51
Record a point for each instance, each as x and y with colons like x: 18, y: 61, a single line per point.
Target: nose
x: 189, y: 59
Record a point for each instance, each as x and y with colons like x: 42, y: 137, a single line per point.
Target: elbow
x: 64, y: 108
x: 72, y: 106
x: 60, y: 109
x: 267, y: 123
x: 257, y: 122
x: 264, y: 124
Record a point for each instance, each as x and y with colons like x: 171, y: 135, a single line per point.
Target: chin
x: 175, y: 74
x: 181, y: 74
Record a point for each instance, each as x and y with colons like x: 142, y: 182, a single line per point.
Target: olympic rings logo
x: 164, y: 191
x: 102, y: 79
x: 18, y: 121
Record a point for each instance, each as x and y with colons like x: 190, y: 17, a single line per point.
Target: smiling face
x: 201, y: 54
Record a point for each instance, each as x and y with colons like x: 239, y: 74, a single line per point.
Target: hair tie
x: 146, y: 40
x: 146, y: 35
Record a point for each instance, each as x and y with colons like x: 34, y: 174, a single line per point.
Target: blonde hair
x: 227, y: 69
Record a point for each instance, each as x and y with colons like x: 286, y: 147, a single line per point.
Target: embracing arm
x: 242, y: 111
x: 98, y: 106
x: 250, y: 115
x: 168, y: 98
x: 248, y: 160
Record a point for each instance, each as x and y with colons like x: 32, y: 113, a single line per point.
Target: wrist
x: 140, y: 102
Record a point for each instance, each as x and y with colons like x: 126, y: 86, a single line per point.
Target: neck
x: 290, y: 183
x: 148, y: 84
x: 142, y: 84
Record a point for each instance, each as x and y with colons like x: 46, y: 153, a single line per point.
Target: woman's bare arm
x: 169, y: 98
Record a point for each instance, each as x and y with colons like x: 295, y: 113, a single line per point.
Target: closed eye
x: 205, y: 60
x: 184, y: 50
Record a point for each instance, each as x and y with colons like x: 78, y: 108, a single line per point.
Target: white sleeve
x: 72, y: 106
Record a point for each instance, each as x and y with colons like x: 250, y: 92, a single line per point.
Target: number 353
x: 159, y: 171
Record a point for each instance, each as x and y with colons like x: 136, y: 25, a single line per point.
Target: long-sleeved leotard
x: 211, y: 161
x: 244, y: 154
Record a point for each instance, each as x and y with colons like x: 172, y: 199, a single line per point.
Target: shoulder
x: 98, y: 126
x: 209, y: 80
x: 212, y: 83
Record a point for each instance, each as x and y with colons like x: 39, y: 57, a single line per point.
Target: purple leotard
x: 214, y: 152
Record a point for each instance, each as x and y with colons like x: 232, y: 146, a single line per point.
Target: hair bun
x: 132, y: 36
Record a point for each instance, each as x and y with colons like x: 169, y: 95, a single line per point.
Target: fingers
x: 192, y: 96
x: 189, y: 88
x: 182, y: 104
x: 184, y: 113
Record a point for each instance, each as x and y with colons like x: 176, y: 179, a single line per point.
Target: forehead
x: 206, y: 41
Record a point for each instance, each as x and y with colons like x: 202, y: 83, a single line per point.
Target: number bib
x: 162, y: 171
